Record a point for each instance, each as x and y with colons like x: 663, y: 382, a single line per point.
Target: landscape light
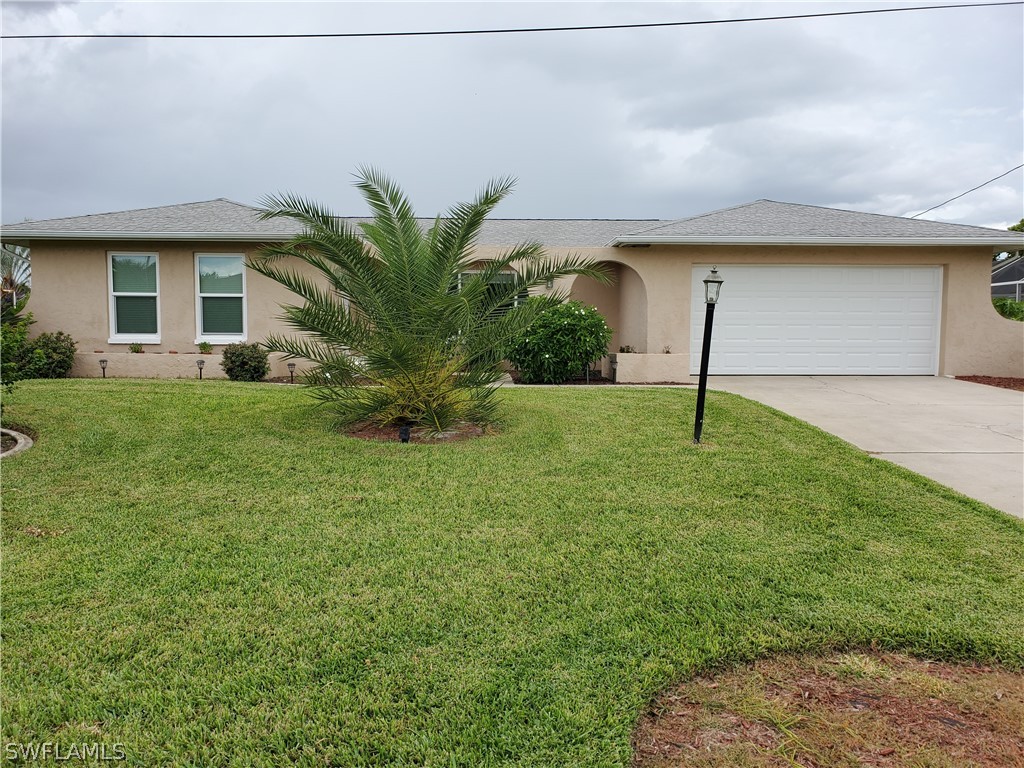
x: 291, y: 373
x: 712, y: 287
x: 199, y: 364
x: 103, y: 366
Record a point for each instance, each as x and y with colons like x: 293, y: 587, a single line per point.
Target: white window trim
x: 221, y: 338
x: 130, y: 338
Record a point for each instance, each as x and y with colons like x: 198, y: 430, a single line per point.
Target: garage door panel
x: 789, y: 319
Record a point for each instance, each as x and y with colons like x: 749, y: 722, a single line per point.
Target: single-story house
x: 808, y: 290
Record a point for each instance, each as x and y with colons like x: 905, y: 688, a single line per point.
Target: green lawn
x: 234, y: 583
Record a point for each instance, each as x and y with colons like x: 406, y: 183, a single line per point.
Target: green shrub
x: 245, y: 362
x: 49, y: 356
x: 1009, y: 308
x: 559, y: 343
x: 13, y: 340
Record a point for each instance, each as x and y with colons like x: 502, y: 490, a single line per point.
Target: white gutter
x: 734, y: 240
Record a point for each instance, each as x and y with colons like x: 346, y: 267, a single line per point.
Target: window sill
x: 133, y: 340
x: 221, y: 340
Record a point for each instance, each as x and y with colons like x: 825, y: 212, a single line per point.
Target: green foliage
x: 13, y: 341
x: 245, y: 362
x: 407, y: 324
x: 1018, y: 227
x: 559, y: 343
x: 253, y: 589
x: 205, y: 347
x: 1014, y: 310
x: 135, y: 348
x: 49, y: 356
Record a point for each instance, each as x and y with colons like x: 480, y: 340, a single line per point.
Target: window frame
x: 220, y: 338
x: 519, y: 298
x: 131, y: 338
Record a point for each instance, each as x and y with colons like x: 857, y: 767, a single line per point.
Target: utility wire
x: 436, y: 33
x: 972, y: 189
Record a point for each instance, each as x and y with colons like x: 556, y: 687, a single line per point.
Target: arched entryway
x: 623, y: 302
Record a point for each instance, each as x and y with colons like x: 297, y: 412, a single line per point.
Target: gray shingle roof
x: 762, y: 221
x: 768, y: 220
x: 223, y: 219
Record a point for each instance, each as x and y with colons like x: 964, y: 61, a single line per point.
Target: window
x: 220, y: 300
x: 504, y: 277
x: 134, y: 298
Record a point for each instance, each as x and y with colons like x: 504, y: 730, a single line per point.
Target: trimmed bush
x: 245, y: 362
x: 559, y: 343
x: 49, y: 356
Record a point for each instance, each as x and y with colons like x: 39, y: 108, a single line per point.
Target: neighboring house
x: 807, y: 290
x: 1008, y: 278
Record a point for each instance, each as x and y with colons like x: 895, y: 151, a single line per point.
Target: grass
x: 208, y: 574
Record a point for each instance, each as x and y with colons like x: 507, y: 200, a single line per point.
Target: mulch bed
x: 870, y: 708
x: 460, y: 431
x: 1006, y: 382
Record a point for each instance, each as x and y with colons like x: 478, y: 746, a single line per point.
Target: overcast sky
x: 890, y: 113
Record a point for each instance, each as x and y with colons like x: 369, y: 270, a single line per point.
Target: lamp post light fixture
x: 291, y: 373
x: 199, y: 364
x: 404, y: 432
x: 712, y: 287
x: 103, y: 366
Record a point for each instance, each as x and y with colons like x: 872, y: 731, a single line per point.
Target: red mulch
x: 460, y: 431
x: 1006, y: 382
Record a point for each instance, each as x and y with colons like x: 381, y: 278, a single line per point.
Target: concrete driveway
x: 969, y: 437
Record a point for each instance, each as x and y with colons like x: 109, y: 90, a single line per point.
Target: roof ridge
x: 663, y: 223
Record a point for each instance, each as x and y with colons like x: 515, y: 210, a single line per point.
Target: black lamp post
x: 712, y: 286
x: 199, y: 364
x: 103, y: 367
x: 291, y: 373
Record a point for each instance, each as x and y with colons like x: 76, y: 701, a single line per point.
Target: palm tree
x: 406, y: 326
x: 15, y: 275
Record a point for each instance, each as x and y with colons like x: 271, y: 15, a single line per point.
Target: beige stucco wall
x: 70, y: 293
x: 648, y: 306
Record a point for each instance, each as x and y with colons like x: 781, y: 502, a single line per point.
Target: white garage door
x: 820, y: 320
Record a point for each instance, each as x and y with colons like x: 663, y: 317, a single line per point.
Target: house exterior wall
x: 70, y: 293
x: 648, y: 306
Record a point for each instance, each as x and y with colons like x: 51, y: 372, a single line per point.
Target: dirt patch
x: 1006, y: 382
x: 7, y: 442
x: 460, y: 431
x: 851, y: 709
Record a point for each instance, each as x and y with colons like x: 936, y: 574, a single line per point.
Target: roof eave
x: 10, y: 235
x: 844, y: 241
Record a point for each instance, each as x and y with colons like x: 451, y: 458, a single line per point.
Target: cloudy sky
x: 889, y: 113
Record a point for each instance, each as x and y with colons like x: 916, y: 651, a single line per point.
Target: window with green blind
x: 493, y: 288
x: 221, y: 301
x: 134, y: 290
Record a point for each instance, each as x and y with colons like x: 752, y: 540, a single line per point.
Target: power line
x: 437, y: 33
x: 972, y: 189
